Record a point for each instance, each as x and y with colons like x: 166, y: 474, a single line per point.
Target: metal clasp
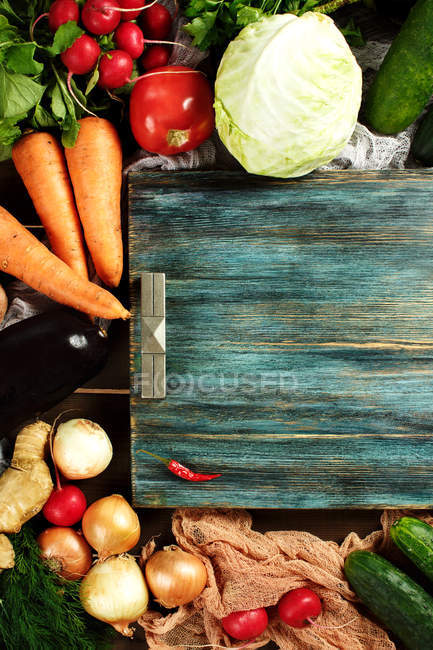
x: 153, y: 382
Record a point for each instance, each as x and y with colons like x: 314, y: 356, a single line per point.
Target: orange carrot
x: 95, y: 168
x: 23, y: 256
x: 40, y: 162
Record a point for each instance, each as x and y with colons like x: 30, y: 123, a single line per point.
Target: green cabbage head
x: 287, y: 94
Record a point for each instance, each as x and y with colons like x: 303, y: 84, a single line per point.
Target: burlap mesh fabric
x: 247, y: 569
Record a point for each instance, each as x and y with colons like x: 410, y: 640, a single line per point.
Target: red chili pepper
x: 181, y: 470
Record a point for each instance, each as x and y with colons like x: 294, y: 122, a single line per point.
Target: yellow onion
x: 175, y: 577
x: 114, y: 591
x: 111, y: 526
x: 81, y: 449
x: 65, y: 551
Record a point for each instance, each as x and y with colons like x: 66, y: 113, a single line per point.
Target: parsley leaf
x: 215, y: 22
x: 200, y: 29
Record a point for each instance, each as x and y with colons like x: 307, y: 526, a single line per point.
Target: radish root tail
x: 75, y: 98
x: 34, y: 23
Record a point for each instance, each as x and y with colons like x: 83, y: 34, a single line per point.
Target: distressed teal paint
x: 326, y: 282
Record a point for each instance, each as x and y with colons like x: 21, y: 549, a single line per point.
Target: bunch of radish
x: 101, y: 17
x: 182, y: 116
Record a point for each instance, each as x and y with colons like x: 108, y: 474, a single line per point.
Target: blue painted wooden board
x: 299, y: 338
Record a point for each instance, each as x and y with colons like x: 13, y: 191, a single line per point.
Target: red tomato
x: 171, y: 111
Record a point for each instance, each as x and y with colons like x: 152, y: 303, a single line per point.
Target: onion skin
x: 115, y: 592
x: 111, y: 526
x: 65, y: 551
x: 81, y: 449
x: 175, y: 577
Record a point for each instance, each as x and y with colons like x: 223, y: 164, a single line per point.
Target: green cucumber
x: 422, y: 144
x: 404, y: 82
x: 397, y: 600
x: 415, y: 538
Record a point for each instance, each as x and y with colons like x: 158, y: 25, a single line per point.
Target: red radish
x: 129, y: 37
x: 131, y: 4
x: 298, y: 607
x: 246, y: 625
x: 156, y: 22
x: 100, y: 16
x: 62, y: 11
x: 66, y: 506
x: 155, y: 56
x: 82, y: 56
x: 115, y: 69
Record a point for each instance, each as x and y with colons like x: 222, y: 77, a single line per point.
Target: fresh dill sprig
x: 39, y: 610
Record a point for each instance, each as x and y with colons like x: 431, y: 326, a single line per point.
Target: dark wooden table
x: 105, y: 400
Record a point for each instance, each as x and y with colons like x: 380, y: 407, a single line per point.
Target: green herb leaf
x: 248, y: 15
x: 106, y: 42
x: 353, y: 34
x: 64, y: 37
x: 216, y: 22
x: 5, y: 152
x: 200, y: 29
x: 18, y: 93
x: 43, y: 118
x: 70, y: 132
x: 58, y: 106
x: 69, y: 123
x: 19, y: 58
x: 8, y: 14
x: 9, y: 131
x: 92, y: 81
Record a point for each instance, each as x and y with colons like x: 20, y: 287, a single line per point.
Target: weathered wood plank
x: 299, y: 337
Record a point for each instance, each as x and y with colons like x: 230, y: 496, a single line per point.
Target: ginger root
x: 26, y: 485
x: 7, y: 553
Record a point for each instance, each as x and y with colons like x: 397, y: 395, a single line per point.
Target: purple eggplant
x: 43, y: 359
